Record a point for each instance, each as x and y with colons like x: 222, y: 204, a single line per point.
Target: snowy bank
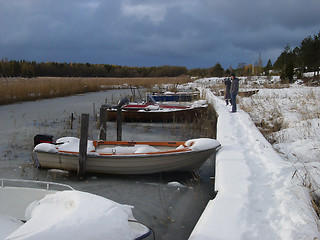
x: 259, y: 196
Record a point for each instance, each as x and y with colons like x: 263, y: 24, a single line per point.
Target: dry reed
x: 273, y: 123
x: 22, y: 89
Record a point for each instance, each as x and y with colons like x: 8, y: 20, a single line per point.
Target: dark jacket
x: 227, y: 82
x: 234, y: 86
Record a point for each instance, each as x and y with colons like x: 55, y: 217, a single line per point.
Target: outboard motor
x: 42, y: 138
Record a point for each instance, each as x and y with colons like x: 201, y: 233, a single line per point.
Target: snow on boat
x: 45, y: 210
x: 159, y: 112
x: 119, y: 157
x: 173, y: 96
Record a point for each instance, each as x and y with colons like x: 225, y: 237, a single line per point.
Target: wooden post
x: 119, y: 124
x: 83, y: 146
x: 103, y: 124
x: 71, y: 121
x: 94, y: 111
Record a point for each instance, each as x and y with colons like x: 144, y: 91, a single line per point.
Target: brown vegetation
x: 29, y: 89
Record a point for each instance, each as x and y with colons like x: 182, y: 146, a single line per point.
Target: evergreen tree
x: 309, y: 53
x: 268, y: 67
x: 217, y: 70
x: 289, y: 70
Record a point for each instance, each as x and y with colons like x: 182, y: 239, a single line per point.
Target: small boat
x: 46, y: 210
x: 158, y: 112
x: 120, y: 157
x: 173, y: 96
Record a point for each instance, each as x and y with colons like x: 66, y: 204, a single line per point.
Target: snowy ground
x: 262, y: 189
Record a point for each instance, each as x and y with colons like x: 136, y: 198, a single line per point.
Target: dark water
x: 171, y: 211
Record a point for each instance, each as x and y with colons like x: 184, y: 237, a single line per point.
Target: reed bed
x: 29, y: 89
x: 204, y: 126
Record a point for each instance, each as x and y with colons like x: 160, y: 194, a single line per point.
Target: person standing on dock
x: 234, y: 91
x: 227, y: 96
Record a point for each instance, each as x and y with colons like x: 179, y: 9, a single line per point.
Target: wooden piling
x: 94, y: 111
x: 119, y: 124
x: 103, y: 124
x: 71, y: 121
x: 83, y: 146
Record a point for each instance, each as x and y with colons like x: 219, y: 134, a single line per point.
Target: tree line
x: 54, y: 69
x: 304, y: 58
x: 27, y: 69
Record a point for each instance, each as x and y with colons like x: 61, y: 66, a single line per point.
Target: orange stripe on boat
x: 119, y: 143
x: 148, y: 153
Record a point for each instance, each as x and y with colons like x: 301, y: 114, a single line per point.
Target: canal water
x: 170, y: 204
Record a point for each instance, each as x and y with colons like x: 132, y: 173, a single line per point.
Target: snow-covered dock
x: 259, y: 196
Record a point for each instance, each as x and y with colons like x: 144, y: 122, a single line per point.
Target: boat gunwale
x: 132, y: 143
x: 130, y: 154
x: 96, y: 143
x: 48, y: 185
x: 161, y: 110
x: 144, y: 107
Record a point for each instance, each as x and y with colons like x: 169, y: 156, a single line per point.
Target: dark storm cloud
x: 145, y: 33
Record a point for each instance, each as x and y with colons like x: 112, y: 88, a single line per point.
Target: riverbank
x: 28, y: 89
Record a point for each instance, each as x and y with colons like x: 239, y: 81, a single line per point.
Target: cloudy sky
x: 191, y: 33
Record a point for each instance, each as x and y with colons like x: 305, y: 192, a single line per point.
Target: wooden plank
x: 119, y: 124
x: 103, y: 124
x: 83, y: 146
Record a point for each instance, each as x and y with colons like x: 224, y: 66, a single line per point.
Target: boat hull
x: 181, y: 115
x: 119, y: 164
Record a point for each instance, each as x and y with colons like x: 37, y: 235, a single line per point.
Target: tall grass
x: 22, y: 89
x: 281, y: 116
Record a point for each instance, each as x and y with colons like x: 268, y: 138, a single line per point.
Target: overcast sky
x: 191, y: 33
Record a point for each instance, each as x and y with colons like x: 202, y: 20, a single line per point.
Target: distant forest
x: 304, y: 58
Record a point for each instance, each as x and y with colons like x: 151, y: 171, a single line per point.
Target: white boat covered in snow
x: 119, y: 157
x: 43, y: 210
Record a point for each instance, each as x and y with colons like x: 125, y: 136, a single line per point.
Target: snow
x: 152, y: 107
x: 8, y: 225
x: 46, y: 147
x: 70, y: 144
x: 263, y: 193
x: 202, y: 144
x: 176, y: 185
x: 72, y: 215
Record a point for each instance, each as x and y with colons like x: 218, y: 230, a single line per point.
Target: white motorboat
x: 119, y: 157
x: 45, y: 210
